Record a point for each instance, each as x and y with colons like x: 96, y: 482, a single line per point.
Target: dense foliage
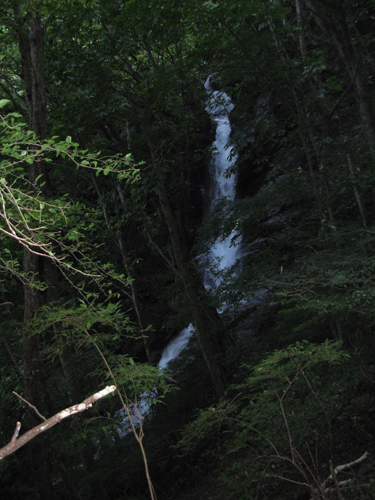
x: 105, y: 146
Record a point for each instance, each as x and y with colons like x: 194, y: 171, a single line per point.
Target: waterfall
x: 219, y: 105
x: 222, y: 253
x: 175, y: 346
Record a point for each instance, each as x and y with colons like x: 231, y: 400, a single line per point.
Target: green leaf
x: 4, y: 102
x: 68, y: 139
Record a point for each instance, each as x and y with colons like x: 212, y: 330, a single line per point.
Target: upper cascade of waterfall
x: 219, y: 106
x: 219, y: 102
x: 223, y: 252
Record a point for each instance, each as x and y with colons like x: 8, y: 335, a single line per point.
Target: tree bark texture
x: 31, y: 50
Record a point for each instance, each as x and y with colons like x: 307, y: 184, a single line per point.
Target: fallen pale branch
x: 344, y: 483
x: 339, y: 468
x: 17, y: 442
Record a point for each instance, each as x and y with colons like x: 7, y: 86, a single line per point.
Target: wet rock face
x: 252, y: 318
x: 196, y: 205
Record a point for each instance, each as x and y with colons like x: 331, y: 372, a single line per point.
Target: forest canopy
x: 106, y: 153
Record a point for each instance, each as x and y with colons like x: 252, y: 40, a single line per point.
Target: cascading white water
x: 170, y: 353
x: 175, y: 346
x: 219, y: 106
x: 222, y: 253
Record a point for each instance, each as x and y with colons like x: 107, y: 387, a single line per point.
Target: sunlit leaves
x: 56, y: 228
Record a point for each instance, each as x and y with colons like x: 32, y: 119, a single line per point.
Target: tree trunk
x: 208, y: 325
x: 210, y: 329
x: 357, y: 191
x: 31, y: 49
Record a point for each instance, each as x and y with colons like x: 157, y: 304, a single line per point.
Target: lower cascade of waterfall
x: 171, y: 352
x: 176, y: 346
x: 222, y: 253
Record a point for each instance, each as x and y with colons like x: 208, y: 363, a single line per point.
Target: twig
x: 31, y: 406
x: 339, y: 468
x: 49, y: 17
x: 15, y: 365
x: 16, y: 432
x: 138, y: 435
x: 290, y: 480
x: 162, y: 254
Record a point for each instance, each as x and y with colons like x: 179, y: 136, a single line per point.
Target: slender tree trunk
x: 357, y: 191
x: 301, y: 37
x: 208, y: 329
x: 31, y: 49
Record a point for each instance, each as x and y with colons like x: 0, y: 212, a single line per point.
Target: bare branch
x: 31, y: 406
x: 16, y: 443
x: 338, y: 469
x: 11, y: 357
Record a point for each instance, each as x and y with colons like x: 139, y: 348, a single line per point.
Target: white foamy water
x: 171, y: 352
x: 223, y: 253
x: 218, y: 106
x: 175, y: 346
